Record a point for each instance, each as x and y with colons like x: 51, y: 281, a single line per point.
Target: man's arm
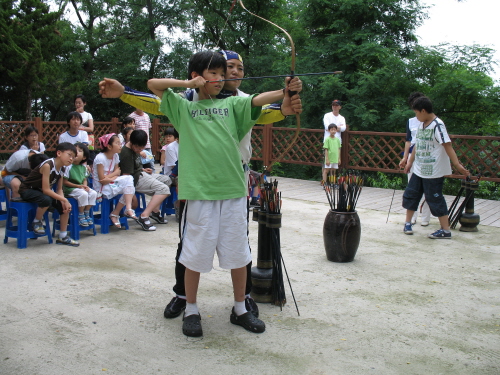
x: 403, y: 161
x: 111, y: 88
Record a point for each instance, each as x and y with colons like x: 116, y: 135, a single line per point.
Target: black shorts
x: 42, y: 200
x: 432, y: 188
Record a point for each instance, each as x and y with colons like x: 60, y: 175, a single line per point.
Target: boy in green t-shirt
x: 332, y: 151
x: 212, y: 180
x: 75, y: 185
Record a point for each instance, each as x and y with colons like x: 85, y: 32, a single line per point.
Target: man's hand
x: 294, y: 85
x: 111, y: 88
x: 402, y: 163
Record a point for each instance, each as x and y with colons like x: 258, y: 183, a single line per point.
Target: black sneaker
x: 158, y: 218
x: 145, y: 224
x: 174, y: 308
x: 192, y: 325
x: 248, y: 321
x: 252, y: 306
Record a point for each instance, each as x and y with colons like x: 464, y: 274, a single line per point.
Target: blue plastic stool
x: 73, y: 227
x: 168, y: 205
x: 106, y: 206
x: 141, y: 203
x: 3, y: 199
x: 25, y: 213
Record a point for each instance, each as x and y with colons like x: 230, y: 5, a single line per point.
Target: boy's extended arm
x: 158, y: 85
x: 448, y: 147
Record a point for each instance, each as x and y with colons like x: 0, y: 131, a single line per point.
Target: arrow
x: 280, y: 76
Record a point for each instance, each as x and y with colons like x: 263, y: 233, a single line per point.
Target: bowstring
x: 236, y: 143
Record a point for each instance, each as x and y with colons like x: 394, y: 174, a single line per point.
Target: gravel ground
x: 407, y: 304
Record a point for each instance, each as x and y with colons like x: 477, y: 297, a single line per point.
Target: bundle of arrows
x: 343, y: 189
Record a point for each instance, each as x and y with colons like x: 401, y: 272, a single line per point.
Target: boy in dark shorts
x: 431, y: 162
x: 37, y: 188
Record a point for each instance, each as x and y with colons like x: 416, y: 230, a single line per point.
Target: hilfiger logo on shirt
x: 210, y: 111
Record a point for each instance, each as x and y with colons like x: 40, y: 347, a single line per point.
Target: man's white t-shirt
x: 431, y: 159
x: 330, y: 118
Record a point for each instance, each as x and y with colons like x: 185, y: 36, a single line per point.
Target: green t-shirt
x: 210, y: 165
x: 77, y: 174
x: 130, y: 163
x: 333, y: 147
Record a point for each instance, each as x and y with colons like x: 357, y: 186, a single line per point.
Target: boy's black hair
x: 171, y: 131
x: 126, y: 130
x: 66, y: 146
x: 139, y: 138
x: 127, y: 120
x: 36, y: 159
x: 206, y: 60
x: 422, y: 102
x: 413, y: 96
x: 332, y: 126
x: 85, y: 149
x: 81, y: 97
x: 73, y: 115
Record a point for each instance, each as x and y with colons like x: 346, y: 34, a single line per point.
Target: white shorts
x: 212, y: 226
x: 331, y: 165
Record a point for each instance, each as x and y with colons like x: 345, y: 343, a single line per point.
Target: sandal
x: 248, y: 321
x: 116, y: 217
x: 126, y: 214
x: 192, y: 325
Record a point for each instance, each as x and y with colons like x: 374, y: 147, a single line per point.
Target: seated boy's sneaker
x: 156, y: 216
x: 248, y: 321
x: 39, y: 228
x: 89, y: 220
x: 67, y: 241
x: 440, y: 234
x: 175, y: 307
x: 145, y: 224
x: 408, y: 229
x: 251, y: 306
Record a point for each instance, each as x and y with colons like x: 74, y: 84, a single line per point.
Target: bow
x: 292, y: 74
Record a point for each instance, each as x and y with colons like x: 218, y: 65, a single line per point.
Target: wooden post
x: 115, y: 127
x: 155, y: 139
x: 267, y: 145
x: 344, y: 151
x: 38, y: 125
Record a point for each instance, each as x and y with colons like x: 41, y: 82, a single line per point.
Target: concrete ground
x: 405, y: 305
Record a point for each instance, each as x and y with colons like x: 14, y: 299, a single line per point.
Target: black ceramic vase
x: 341, y: 235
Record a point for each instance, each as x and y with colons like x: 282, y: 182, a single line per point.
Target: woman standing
x: 87, y: 120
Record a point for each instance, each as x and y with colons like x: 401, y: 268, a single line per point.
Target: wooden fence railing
x: 369, y: 151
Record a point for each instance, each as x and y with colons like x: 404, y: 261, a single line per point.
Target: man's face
x: 336, y: 108
x: 234, y: 70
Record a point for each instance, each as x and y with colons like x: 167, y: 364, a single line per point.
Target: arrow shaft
x: 279, y: 76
